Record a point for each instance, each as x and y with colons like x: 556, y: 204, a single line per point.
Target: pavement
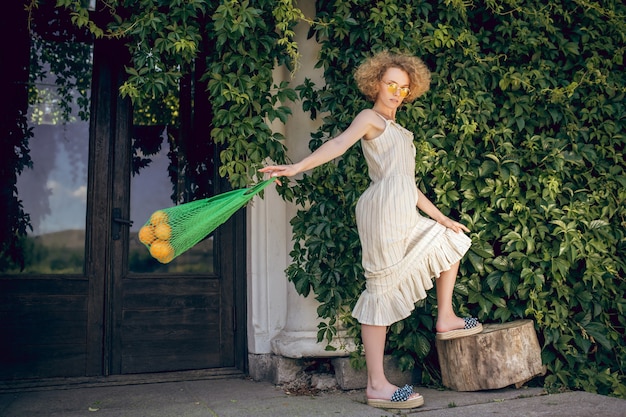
x: 243, y: 397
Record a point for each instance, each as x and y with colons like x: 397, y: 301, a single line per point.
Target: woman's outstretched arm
x: 361, y: 126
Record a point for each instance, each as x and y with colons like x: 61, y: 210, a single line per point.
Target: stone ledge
x: 304, y: 344
x: 275, y: 369
x: 280, y: 370
x: 349, y: 378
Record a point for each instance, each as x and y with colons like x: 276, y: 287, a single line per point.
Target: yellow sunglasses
x: 393, y: 88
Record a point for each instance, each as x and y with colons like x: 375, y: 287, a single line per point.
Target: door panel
x: 170, y: 324
x: 42, y: 327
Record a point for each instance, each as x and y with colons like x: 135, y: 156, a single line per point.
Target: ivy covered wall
x: 521, y: 137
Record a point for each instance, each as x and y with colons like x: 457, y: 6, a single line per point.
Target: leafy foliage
x: 232, y: 45
x: 17, y: 222
x: 242, y: 89
x: 521, y: 137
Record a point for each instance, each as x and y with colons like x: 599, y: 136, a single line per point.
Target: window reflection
x: 53, y: 189
x: 158, y: 181
x: 54, y: 193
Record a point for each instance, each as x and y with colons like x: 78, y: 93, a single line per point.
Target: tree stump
x: 499, y: 356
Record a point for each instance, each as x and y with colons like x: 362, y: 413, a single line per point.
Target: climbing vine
x: 238, y: 43
x: 522, y: 138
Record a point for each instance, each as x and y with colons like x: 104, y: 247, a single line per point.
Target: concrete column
x: 267, y: 259
x: 281, y: 321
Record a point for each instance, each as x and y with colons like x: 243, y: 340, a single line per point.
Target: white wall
x: 279, y: 320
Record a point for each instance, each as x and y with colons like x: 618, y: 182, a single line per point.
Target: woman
x: 402, y: 250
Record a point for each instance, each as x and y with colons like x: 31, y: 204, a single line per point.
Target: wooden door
x: 180, y: 315
x: 118, y: 311
x: 187, y: 314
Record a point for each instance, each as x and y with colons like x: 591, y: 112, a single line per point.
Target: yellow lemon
x: 162, y: 251
x: 158, y: 217
x: 146, y: 235
x: 163, y: 231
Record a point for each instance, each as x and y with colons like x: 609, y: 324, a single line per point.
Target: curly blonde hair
x: 371, y: 71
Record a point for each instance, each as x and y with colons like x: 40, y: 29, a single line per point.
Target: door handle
x: 118, y: 221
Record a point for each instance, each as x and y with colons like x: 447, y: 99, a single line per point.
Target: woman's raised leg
x: 447, y: 320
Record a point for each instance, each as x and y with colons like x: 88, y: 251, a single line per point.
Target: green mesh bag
x: 172, y: 231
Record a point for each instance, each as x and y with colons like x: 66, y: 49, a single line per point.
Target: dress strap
x: 382, y: 117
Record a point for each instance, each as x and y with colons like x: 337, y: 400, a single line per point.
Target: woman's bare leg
x: 378, y: 387
x: 446, y: 317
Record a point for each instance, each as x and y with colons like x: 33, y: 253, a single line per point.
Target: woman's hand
x: 454, y: 225
x: 279, y: 170
x: 275, y: 171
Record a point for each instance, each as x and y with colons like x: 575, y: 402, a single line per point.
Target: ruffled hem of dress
x: 393, y: 304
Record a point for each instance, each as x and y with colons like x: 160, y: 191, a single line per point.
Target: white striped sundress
x: 402, y: 250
